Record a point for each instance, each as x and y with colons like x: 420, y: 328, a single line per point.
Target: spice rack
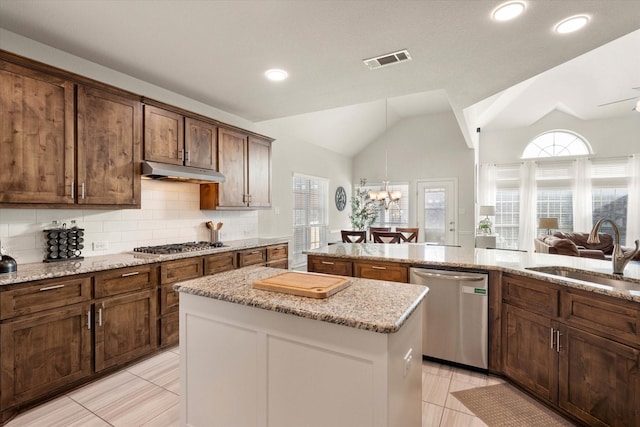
x: 63, y: 244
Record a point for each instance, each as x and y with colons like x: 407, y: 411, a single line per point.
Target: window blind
x: 310, y: 215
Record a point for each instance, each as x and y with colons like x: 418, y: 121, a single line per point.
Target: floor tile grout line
x: 89, y: 410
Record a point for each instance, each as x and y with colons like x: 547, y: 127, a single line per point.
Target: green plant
x: 363, y: 210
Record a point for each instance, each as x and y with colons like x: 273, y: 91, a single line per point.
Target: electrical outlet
x: 100, y: 246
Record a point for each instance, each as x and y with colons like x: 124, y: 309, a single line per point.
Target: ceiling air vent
x: 387, y: 59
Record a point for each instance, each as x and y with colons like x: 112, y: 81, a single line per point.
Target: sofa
x: 575, y: 244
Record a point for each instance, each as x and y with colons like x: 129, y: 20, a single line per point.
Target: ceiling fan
x: 637, y: 106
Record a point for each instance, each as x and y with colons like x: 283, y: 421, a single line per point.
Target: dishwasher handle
x: 456, y: 277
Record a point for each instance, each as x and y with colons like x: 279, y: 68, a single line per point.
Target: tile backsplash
x: 170, y: 214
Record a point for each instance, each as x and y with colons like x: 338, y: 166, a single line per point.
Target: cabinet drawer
x: 329, y: 266
x: 177, y: 271
x: 44, y: 295
x: 381, y: 271
x: 283, y: 263
x: 219, y: 262
x: 610, y: 317
x: 277, y: 252
x: 124, y: 280
x: 531, y: 294
x: 252, y: 257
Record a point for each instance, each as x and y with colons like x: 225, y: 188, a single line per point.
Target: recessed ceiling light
x: 572, y: 24
x: 276, y: 74
x: 508, y: 11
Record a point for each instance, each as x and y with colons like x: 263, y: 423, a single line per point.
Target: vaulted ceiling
x: 216, y: 52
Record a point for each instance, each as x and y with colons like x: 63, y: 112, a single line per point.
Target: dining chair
x: 409, y: 235
x: 386, y: 237
x: 352, y: 236
x: 372, y: 229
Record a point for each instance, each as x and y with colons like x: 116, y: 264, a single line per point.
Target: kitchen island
x: 252, y: 357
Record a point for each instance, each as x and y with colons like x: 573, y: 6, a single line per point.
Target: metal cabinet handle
x: 186, y: 156
x: 375, y: 267
x: 558, y: 334
x: 135, y: 273
x: 327, y: 263
x: 83, y: 190
x: 254, y: 252
x: 73, y: 190
x: 552, y: 339
x: 89, y: 319
x: 450, y: 276
x: 181, y: 155
x: 100, y: 317
x: 48, y: 288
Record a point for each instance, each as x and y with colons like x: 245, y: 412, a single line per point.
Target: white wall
x: 290, y: 156
x: 608, y: 137
x: 424, y: 148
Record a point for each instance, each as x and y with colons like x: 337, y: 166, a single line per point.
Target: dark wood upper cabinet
x: 245, y: 162
x: 200, y: 144
x: 163, y: 136
x: 109, y: 147
x: 37, y: 156
x: 173, y: 138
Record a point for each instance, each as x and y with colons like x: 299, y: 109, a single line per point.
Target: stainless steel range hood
x: 170, y: 172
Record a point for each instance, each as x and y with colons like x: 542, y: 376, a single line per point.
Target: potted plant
x: 363, y: 210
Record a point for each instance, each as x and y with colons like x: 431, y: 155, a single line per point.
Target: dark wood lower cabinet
x: 527, y: 356
x: 126, y: 327
x: 599, y: 379
x: 43, y: 352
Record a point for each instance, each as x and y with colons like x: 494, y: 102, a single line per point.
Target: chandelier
x: 385, y: 197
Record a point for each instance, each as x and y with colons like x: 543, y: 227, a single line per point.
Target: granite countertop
x: 372, y: 305
x: 42, y: 270
x: 492, y: 260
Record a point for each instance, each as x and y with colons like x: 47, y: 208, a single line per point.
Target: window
x: 310, y: 215
x: 507, y: 221
x: 398, y: 213
x: 556, y: 144
x: 555, y: 194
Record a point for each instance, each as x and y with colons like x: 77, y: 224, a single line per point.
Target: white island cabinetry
x: 259, y: 358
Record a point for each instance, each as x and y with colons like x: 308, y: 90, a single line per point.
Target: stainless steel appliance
x: 455, y: 323
x: 176, y: 248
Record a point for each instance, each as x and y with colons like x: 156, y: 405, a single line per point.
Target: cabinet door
x: 109, y: 145
x: 252, y: 257
x: 599, y: 380
x: 163, y: 136
x: 37, y: 133
x: 527, y: 355
x: 126, y: 327
x: 232, y: 147
x: 259, y: 170
x: 201, y: 144
x: 381, y: 271
x: 43, y: 352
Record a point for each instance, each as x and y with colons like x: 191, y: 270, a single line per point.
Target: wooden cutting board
x: 312, y: 285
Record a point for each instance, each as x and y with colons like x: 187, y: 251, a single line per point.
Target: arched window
x: 556, y: 143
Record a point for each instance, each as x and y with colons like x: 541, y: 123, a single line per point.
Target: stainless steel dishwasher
x: 455, y: 322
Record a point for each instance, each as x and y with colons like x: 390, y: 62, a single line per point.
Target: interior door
x: 436, y: 214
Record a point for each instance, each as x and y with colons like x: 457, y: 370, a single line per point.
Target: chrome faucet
x: 618, y: 257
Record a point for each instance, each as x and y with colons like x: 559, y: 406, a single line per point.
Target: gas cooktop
x: 176, y: 248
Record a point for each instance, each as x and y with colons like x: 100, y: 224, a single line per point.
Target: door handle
x: 558, y: 334
x: 450, y: 276
x: 100, y: 316
x: 89, y: 319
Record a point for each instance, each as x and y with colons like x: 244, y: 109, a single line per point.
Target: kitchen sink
x: 591, y: 277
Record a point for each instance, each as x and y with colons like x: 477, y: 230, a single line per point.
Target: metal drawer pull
x: 255, y: 252
x: 89, y: 319
x: 100, y: 317
x: 552, y: 337
x: 375, y: 267
x: 450, y: 276
x: 83, y: 188
x: 327, y: 263
x: 130, y: 274
x: 48, y: 288
x: 558, y: 341
x: 73, y: 190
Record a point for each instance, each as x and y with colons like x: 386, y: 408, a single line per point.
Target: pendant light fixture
x: 385, y: 197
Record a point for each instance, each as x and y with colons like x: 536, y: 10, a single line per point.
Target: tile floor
x: 147, y: 394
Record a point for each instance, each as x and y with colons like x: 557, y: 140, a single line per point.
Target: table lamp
x: 549, y: 224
